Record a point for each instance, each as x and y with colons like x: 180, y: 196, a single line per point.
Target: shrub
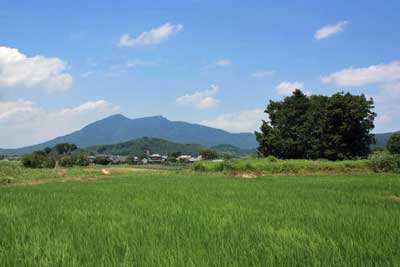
x: 37, y: 159
x: 67, y: 161
x: 199, y: 167
x: 385, y: 162
x: 209, y: 154
x: 102, y: 160
x: 393, y: 145
x: 81, y: 160
x: 271, y: 158
x: 227, y: 166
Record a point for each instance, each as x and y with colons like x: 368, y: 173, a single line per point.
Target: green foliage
x: 49, y: 157
x: 81, y: 160
x: 273, y: 165
x: 64, y: 148
x: 138, y: 146
x: 38, y: 159
x: 385, y: 162
x: 15, y: 170
x: 271, y: 158
x: 312, y: 127
x: 393, y: 145
x: 209, y: 154
x: 176, y: 154
x: 74, y: 160
x: 131, y: 160
x: 234, y: 151
x: 102, y: 160
x: 195, y: 219
x: 199, y: 167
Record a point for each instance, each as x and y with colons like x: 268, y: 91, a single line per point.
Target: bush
x: 199, y: 167
x: 37, y: 159
x: 209, y: 154
x: 67, y: 161
x: 393, y: 145
x: 271, y: 158
x: 385, y: 162
x: 81, y: 160
x: 102, y: 160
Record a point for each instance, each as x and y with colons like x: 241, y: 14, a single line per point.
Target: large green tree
x: 300, y: 126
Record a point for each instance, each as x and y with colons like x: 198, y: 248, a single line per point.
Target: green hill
x: 139, y: 146
x: 235, y: 151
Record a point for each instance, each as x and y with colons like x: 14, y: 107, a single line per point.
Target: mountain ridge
x: 118, y: 128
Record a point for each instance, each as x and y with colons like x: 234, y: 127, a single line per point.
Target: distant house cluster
x: 148, y: 159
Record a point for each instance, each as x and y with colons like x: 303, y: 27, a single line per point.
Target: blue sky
x: 65, y: 64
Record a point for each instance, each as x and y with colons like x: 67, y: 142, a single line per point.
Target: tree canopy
x: 317, y: 126
x: 393, y: 145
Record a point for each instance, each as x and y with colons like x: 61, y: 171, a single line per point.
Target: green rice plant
x: 197, y: 219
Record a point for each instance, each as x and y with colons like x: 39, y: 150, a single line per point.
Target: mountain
x: 118, y: 129
x: 138, y: 147
x: 382, y: 139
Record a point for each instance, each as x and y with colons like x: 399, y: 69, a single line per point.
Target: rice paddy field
x: 137, y: 217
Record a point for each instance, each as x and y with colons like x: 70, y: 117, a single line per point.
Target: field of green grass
x: 184, y: 218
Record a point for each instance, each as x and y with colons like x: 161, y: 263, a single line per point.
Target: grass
x: 282, y: 166
x: 195, y: 219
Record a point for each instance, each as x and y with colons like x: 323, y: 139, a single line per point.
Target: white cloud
x: 329, y: 30
x: 23, y: 123
x: 201, y: 100
x: 242, y: 121
x: 287, y: 88
x: 223, y: 62
x: 20, y: 71
x: 387, y: 101
x: 152, y: 37
x: 364, y: 76
x: 119, y: 69
x: 386, y: 78
x: 263, y: 73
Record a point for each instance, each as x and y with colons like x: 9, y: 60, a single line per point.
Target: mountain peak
x: 117, y: 116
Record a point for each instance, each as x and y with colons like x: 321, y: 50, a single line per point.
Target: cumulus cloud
x: 151, y: 37
x: 223, y: 62
x: 373, y: 74
x: 24, y: 123
x: 201, y: 100
x: 329, y: 30
x: 263, y: 73
x: 20, y: 71
x: 287, y: 88
x: 242, y: 121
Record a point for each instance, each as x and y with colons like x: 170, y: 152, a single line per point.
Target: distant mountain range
x: 118, y: 128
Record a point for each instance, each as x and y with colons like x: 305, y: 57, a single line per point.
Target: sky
x: 64, y: 64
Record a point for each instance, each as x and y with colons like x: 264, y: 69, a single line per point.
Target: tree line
x: 60, y: 155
